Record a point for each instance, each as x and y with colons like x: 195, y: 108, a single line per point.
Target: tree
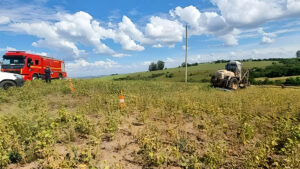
x: 152, y: 67
x: 160, y: 65
x: 298, y: 54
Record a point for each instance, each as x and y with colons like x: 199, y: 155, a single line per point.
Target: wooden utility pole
x: 186, y: 52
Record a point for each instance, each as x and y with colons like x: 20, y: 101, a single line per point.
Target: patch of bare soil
x: 123, y: 147
x: 67, y: 101
x: 32, y: 165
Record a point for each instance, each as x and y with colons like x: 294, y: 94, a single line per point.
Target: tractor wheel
x: 213, y: 81
x: 233, y: 84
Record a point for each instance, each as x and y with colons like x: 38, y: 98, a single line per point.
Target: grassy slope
x: 195, y: 73
x: 165, y: 125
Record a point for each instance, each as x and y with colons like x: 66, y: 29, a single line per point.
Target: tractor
x: 232, y: 77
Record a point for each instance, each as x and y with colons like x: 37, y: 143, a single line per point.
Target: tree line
x: 285, y: 67
x: 160, y: 65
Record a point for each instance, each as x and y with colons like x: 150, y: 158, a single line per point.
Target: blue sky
x: 116, y: 36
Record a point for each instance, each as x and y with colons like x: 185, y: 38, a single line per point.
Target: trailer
x: 32, y: 66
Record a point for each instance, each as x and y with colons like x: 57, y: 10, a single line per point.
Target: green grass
x: 164, y: 125
x: 198, y: 73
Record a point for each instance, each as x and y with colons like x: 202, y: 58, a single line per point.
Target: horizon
x: 102, y: 38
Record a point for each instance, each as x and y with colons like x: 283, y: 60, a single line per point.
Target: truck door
x: 29, y: 62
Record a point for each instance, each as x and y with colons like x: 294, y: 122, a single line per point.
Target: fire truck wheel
x: 7, y: 84
x: 35, y: 77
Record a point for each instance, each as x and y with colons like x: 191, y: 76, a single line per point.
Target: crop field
x: 164, y: 125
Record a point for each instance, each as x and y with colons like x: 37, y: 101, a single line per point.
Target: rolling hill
x: 198, y: 73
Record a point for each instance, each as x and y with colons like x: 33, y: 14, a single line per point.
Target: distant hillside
x: 199, y: 73
x: 89, y: 77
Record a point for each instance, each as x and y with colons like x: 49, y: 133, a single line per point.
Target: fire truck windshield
x: 13, y: 60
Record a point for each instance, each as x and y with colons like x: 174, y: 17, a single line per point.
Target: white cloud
x: 267, y: 37
x: 7, y: 49
x: 83, y: 63
x: 190, y: 15
x: 170, y: 60
x: 129, y: 28
x: 267, y: 40
x: 127, y: 43
x: 4, y: 20
x: 49, y: 37
x: 146, y: 63
x: 235, y: 15
x: 164, y: 32
x: 201, y: 23
x: 18, y: 11
x: 261, y: 31
x: 157, y: 46
x: 293, y: 6
x: 196, y: 58
x: 230, y: 40
x: 283, y: 51
x: 66, y: 33
x: 244, y: 13
x: 80, y: 67
x: 81, y: 28
x: 127, y: 34
x: 119, y: 55
x: 209, y: 23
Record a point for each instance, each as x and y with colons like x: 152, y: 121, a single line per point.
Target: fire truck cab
x: 32, y: 66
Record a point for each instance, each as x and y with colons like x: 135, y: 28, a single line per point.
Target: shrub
x: 292, y: 81
x: 169, y: 75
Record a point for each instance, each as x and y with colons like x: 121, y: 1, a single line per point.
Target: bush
x: 189, y: 64
x: 293, y: 81
x: 169, y: 75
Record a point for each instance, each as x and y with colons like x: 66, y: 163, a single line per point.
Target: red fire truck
x: 32, y: 66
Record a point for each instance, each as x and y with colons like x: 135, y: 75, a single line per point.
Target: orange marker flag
x: 122, y: 100
x: 71, y: 85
